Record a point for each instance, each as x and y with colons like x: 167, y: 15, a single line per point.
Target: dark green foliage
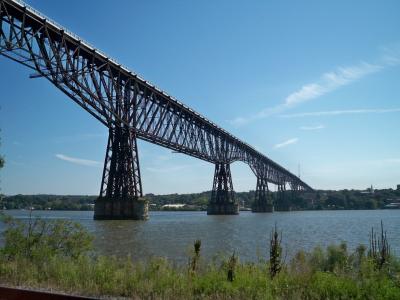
x: 1, y: 160
x: 379, y: 248
x: 197, y: 245
x: 54, y: 202
x: 345, y: 199
x: 196, y: 256
x: 232, y: 262
x: 38, y: 239
x: 275, y: 253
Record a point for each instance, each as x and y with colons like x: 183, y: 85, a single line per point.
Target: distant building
x: 369, y: 190
x: 393, y: 205
x: 398, y: 187
x: 173, y: 205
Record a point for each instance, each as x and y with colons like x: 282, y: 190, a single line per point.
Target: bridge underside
x: 131, y: 108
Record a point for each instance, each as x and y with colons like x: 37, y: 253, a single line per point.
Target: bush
x: 38, y: 239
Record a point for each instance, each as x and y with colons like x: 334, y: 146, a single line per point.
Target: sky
x: 314, y: 85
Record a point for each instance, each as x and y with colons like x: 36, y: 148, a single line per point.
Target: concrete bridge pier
x: 222, y: 200
x: 262, y: 202
x: 121, y: 188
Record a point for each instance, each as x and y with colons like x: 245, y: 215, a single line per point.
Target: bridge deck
x: 115, y: 95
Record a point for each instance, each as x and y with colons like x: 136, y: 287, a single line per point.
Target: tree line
x: 317, y: 200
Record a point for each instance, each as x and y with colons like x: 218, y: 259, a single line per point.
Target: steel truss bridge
x: 132, y: 108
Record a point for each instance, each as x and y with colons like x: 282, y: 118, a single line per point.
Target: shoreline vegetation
x: 58, y: 256
x: 318, y: 200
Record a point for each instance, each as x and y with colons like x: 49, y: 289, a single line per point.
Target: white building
x: 173, y: 205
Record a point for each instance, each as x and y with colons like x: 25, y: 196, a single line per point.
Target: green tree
x: 39, y: 239
x: 1, y: 166
x: 1, y: 159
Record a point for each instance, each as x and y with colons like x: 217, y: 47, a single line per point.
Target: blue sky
x: 309, y: 83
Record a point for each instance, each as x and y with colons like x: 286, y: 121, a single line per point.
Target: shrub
x: 39, y: 239
x: 275, y: 253
x: 379, y: 248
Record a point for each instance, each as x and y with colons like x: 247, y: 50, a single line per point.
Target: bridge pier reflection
x: 222, y: 200
x: 121, y: 187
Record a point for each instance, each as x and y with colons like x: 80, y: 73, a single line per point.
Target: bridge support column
x: 222, y: 196
x: 282, y: 203
x: 262, y: 201
x: 295, y: 189
x: 121, y: 187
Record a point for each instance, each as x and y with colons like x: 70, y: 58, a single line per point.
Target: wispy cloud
x: 164, y: 157
x: 80, y: 137
x: 342, y: 112
x: 174, y: 168
x: 78, y: 161
x: 17, y: 163
x: 331, y: 81
x: 327, y: 83
x: 316, y: 127
x: 385, y: 161
x: 168, y: 169
x: 286, y: 143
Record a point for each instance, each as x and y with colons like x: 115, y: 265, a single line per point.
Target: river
x: 171, y: 234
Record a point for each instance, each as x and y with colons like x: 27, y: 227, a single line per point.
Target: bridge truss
x: 131, y: 108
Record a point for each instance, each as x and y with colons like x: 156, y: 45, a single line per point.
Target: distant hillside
x: 43, y: 202
x: 321, y: 199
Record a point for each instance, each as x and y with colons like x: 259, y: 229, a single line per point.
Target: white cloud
x: 164, y: 157
x: 78, y: 161
x: 17, y: 163
x: 385, y: 162
x: 316, y: 127
x: 330, y: 82
x: 174, y: 168
x: 327, y: 83
x: 80, y: 137
x: 239, y: 121
x: 167, y: 169
x: 286, y: 143
x: 342, y: 112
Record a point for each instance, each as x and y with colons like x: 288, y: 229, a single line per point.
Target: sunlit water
x: 170, y: 234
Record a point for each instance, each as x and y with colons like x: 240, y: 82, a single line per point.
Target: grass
x: 159, y: 279
x: 331, y: 273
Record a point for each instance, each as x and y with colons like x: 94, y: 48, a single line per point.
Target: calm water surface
x: 170, y: 234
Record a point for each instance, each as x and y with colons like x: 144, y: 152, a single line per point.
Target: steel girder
x: 115, y: 96
x: 262, y: 195
x: 121, y: 173
x: 222, y: 192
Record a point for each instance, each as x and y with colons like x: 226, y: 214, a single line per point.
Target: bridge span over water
x: 132, y: 108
